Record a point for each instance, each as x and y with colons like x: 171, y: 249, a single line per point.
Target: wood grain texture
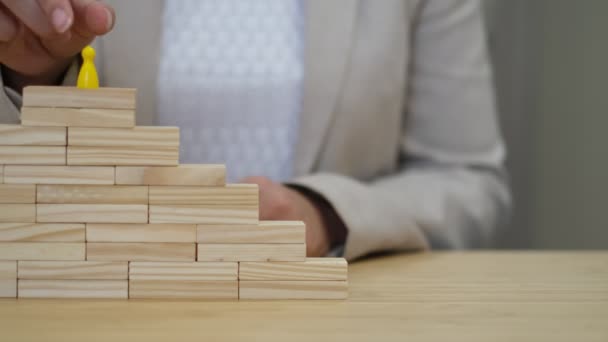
x: 43, y: 251
x: 1, y: 174
x: 92, y: 213
x: 232, y: 195
x: 8, y: 279
x: 321, y: 269
x: 92, y: 289
x: 32, y: 155
x: 73, y: 270
x: 18, y: 193
x: 38, y: 136
x: 18, y: 213
x: 72, y: 97
x: 109, y: 251
x: 141, y: 232
x: 24, y: 174
x: 42, y: 232
x: 251, y: 252
x: 204, y: 214
x: 120, y: 156
x: 293, y: 289
x: 92, y: 194
x: 77, y: 117
x: 264, y: 232
x: 189, y: 175
x: 183, y: 271
x: 557, y: 296
x: 168, y: 289
x: 139, y: 136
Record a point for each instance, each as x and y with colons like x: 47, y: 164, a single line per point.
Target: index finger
x: 32, y: 15
x: 92, y: 17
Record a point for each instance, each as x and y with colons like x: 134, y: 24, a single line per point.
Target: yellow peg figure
x: 87, y: 78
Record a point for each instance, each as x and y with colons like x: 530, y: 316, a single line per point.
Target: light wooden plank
x: 251, y: 252
x: 77, y: 117
x: 293, y: 289
x: 85, y: 155
x: 8, y: 279
x: 51, y: 251
x: 18, y: 213
x: 232, y: 195
x: 18, y: 135
x: 92, y: 213
x: 140, y: 136
x: 203, y: 214
x: 24, y: 174
x: 141, y: 232
x: 73, y: 270
x: 92, y: 194
x: 264, y: 232
x: 192, y: 175
x: 32, y: 155
x: 109, y: 251
x: 17, y: 193
x: 1, y: 174
x: 167, y: 289
x: 183, y: 271
x: 81, y: 289
x: 42, y: 232
x: 311, y: 269
x: 72, y: 97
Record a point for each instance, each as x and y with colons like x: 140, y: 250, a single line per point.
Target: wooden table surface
x: 469, y: 296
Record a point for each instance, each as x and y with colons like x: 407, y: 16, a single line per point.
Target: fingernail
x: 110, y: 20
x: 61, y: 20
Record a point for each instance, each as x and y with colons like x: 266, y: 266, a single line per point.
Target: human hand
x: 39, y: 38
x: 278, y: 202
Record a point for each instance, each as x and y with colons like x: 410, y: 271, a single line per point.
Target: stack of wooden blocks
x: 92, y: 206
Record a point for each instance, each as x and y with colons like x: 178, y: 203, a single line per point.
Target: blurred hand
x: 39, y: 38
x: 278, y: 202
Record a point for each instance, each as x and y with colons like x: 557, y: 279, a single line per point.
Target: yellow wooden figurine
x: 87, y: 78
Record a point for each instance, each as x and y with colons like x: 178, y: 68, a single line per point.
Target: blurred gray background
x: 551, y: 71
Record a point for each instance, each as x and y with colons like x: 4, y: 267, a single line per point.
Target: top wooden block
x: 70, y: 97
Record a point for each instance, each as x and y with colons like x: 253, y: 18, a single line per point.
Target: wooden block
x: 85, y: 155
x: 233, y: 195
x: 92, y: 194
x: 51, y: 251
x: 38, y: 136
x: 42, y: 232
x: 92, y: 289
x: 73, y: 270
x: 109, y: 251
x: 183, y: 271
x: 92, y: 213
x: 139, y: 136
x: 141, y: 232
x: 1, y: 174
x: 8, y: 279
x: 252, y: 252
x: 72, y: 97
x: 203, y: 214
x: 18, y: 213
x: 22, y: 174
x: 32, y: 155
x: 311, y: 269
x: 264, y: 232
x: 77, y: 117
x: 168, y: 289
x: 191, y: 175
x: 293, y: 289
x: 17, y: 193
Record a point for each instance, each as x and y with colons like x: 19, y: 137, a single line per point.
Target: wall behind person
x: 551, y: 65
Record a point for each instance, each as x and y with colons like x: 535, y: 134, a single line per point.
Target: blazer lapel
x: 133, y: 51
x: 329, y: 36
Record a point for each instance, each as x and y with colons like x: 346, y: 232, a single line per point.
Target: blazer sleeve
x: 10, y: 100
x: 451, y: 189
